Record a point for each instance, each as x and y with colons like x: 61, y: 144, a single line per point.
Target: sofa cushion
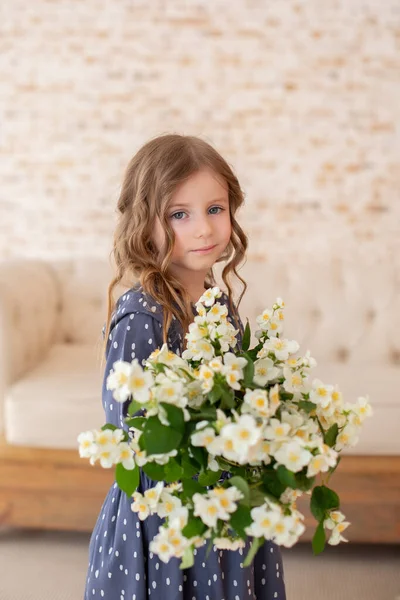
x: 57, y: 400
x: 53, y: 403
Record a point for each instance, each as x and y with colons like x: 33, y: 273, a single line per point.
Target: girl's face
x: 199, y: 215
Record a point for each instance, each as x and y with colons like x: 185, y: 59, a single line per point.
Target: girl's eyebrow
x: 182, y: 205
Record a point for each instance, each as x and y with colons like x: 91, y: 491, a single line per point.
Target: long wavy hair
x: 151, y: 178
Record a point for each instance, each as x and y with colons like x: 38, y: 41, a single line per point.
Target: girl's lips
x: 204, y: 250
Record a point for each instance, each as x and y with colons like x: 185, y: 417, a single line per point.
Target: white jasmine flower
x: 198, y: 350
x: 264, y: 319
x: 243, y: 434
x: 274, y: 326
x: 140, y: 505
x: 125, y: 456
x: 293, y: 456
x: 234, y: 363
x: 225, y: 543
x: 321, y: 394
x: 257, y: 402
x: 362, y: 409
x: 282, y: 531
x: 295, y: 381
x: 233, y: 378
x: 319, y: 464
x: 208, y: 509
x: 282, y: 348
x: 194, y: 394
x: 309, y: 361
x: 227, y: 499
x: 217, y: 312
x: 204, y: 437
x: 87, y: 447
x: 264, y: 520
x: 169, y: 541
x: 153, y: 494
x: 264, y: 371
x: 277, y: 431
x: 212, y: 463
x: 206, y: 375
x: 346, y: 438
x: 118, y: 380
x: 171, y: 392
x: 337, y: 524
x: 274, y: 399
x: 216, y: 364
x: 166, y: 357
x: 210, y: 295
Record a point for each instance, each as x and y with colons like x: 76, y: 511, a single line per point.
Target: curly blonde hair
x: 150, y: 180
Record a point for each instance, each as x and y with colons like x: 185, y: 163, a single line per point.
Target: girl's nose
x: 203, y: 228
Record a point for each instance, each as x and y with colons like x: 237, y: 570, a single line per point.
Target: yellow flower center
x: 266, y: 523
x: 138, y: 382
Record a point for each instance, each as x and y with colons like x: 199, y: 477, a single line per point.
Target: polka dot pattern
x: 120, y: 564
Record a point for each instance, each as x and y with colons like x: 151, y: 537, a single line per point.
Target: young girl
x: 176, y: 220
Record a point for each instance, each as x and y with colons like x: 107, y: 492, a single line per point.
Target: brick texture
x: 301, y: 97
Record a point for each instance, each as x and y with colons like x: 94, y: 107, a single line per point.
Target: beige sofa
x: 51, y: 315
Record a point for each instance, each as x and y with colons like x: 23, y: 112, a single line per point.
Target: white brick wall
x: 302, y: 97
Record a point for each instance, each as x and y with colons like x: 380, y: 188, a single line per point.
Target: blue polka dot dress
x: 121, y: 567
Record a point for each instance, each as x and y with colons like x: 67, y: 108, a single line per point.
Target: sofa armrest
x: 29, y: 304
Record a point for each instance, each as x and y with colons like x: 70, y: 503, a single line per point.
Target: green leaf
x: 200, y: 455
x: 109, y: 426
x: 241, y: 519
x: 127, y: 480
x: 323, y: 499
x: 208, y: 477
x: 254, y: 351
x: 272, y: 484
x: 194, y: 527
x: 173, y: 471
x: 215, y: 394
x: 331, y: 435
x: 257, y: 497
x: 141, y: 443
x: 228, y: 398
x: 187, y: 558
x: 210, y: 545
x: 208, y: 413
x: 256, y: 544
x: 189, y: 469
x: 304, y: 483
x: 137, y: 422
x: 246, y: 337
x: 224, y: 464
x: 190, y: 487
x: 154, y: 471
x: 307, y: 406
x: 159, y: 439
x: 248, y: 371
x: 243, y: 487
x: 134, y: 407
x: 285, y: 395
x: 318, y: 541
x: 174, y: 416
x: 286, y: 477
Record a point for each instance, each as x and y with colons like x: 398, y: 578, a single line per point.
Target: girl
x: 176, y: 220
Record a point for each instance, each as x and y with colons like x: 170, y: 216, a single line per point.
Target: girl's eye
x: 215, y: 208
x: 178, y: 215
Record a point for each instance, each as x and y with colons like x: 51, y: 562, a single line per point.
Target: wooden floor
x: 56, y: 489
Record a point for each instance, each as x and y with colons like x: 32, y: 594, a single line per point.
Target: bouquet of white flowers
x: 233, y: 438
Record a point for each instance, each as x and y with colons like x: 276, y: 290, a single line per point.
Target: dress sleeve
x: 136, y: 335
